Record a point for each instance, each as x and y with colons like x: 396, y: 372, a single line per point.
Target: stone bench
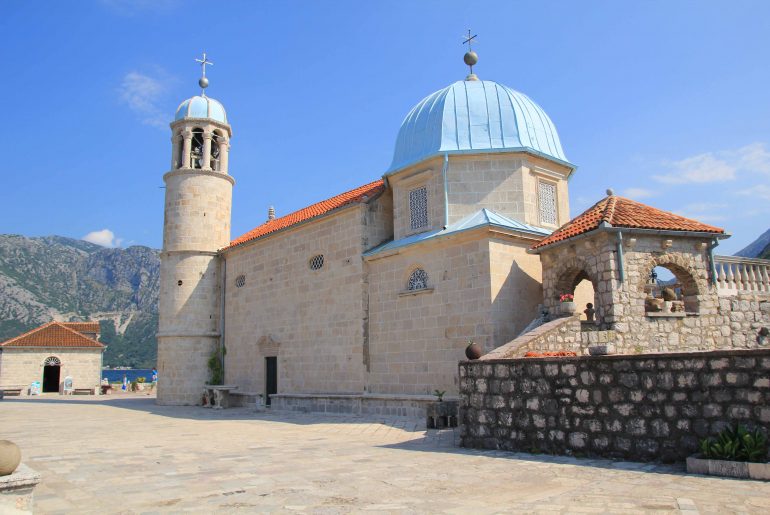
x: 83, y: 391
x: 218, y: 396
x: 10, y: 391
x: 247, y: 399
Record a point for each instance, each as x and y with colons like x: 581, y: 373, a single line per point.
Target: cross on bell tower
x: 203, y: 82
x: 470, y: 56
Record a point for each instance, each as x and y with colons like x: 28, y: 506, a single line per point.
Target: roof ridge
x: 609, y: 209
x: 47, y: 325
x: 307, y: 213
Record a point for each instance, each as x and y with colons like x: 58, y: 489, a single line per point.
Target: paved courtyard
x: 127, y: 455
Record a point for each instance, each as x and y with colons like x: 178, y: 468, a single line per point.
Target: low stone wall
x: 409, y: 406
x: 635, y: 407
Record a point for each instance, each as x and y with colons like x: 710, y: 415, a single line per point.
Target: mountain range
x: 57, y: 278
x: 759, y: 248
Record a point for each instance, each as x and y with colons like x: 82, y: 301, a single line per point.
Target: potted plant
x: 736, y: 452
x: 567, y: 303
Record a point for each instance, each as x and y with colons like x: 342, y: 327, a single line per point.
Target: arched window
x: 179, y: 151
x: 52, y: 361
x: 418, y: 280
x: 196, y: 149
x: 672, y: 283
x: 216, y: 139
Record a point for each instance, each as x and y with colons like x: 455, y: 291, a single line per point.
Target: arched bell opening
x: 667, y: 282
x: 216, y: 152
x: 196, y: 149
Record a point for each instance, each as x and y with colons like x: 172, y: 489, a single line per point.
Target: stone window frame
x: 408, y: 280
x: 410, y: 191
x: 540, y: 181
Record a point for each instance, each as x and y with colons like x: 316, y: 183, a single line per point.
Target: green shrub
x: 141, y: 379
x: 736, y: 443
x: 216, y: 367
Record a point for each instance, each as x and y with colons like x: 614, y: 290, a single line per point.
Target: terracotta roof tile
x: 52, y: 334
x: 317, y: 209
x: 82, y: 327
x: 623, y: 212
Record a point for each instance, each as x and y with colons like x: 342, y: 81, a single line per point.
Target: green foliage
x: 439, y: 394
x: 736, y: 444
x: 216, y: 367
x: 141, y: 379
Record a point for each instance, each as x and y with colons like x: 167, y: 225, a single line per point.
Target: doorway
x: 271, y: 377
x: 51, y: 375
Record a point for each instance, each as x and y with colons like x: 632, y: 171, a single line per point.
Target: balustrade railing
x: 739, y: 274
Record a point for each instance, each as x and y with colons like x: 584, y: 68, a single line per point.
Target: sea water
x: 132, y: 374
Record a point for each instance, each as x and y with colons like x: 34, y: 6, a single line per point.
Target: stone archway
x: 51, y: 374
x: 568, y: 276
x: 693, y: 281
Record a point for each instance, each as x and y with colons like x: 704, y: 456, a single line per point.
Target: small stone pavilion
x: 715, y: 302
x: 51, y: 353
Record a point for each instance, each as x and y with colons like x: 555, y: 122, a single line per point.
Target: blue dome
x: 470, y: 116
x: 201, y: 107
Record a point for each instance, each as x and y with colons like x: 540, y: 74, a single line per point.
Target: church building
x: 369, y: 298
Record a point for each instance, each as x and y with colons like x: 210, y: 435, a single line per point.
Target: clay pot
x: 568, y: 308
x: 473, y: 351
x: 10, y: 457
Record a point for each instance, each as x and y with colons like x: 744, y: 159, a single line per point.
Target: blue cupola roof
x: 475, y: 116
x: 201, y: 107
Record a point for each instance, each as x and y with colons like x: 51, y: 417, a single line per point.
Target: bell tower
x: 196, y: 225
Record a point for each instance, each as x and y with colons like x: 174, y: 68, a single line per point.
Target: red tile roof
x: 53, y: 334
x: 360, y: 194
x: 623, y: 212
x: 82, y: 327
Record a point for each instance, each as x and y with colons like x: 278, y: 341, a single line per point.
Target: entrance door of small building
x: 271, y: 377
x: 51, y: 375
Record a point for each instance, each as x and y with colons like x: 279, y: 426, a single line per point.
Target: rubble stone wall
x: 646, y: 407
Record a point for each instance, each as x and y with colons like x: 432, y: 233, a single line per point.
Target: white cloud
x: 760, y: 191
x: 105, y: 238
x: 142, y: 93
x: 637, y: 193
x: 700, y: 168
x: 705, y: 211
x: 719, y: 166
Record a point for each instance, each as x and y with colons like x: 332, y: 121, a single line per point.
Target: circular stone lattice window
x: 316, y: 262
x: 240, y: 281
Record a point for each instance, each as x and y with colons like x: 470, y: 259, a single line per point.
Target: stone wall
x: 20, y: 367
x: 312, y: 320
x: 649, y: 407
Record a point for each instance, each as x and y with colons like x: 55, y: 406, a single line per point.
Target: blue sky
x: 666, y: 102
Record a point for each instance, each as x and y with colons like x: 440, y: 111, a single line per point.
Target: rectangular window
x: 418, y: 207
x: 546, y: 196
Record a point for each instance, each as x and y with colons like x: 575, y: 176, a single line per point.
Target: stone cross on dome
x: 470, y: 56
x: 203, y: 82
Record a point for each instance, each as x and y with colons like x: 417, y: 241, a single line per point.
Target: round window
x: 316, y: 262
x: 240, y: 281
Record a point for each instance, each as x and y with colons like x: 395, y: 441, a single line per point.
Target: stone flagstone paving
x: 127, y: 455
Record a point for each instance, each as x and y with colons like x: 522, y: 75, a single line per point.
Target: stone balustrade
x: 739, y: 274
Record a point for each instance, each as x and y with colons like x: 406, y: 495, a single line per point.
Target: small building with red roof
x: 50, y: 354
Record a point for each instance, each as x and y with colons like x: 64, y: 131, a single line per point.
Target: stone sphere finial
x: 610, y: 191
x: 471, y: 58
x: 203, y: 82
